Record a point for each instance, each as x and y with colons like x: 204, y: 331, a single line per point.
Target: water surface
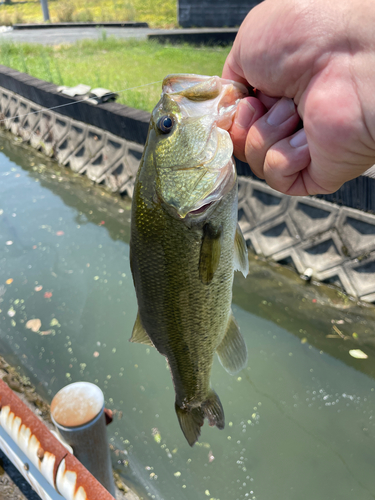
x: 299, y: 418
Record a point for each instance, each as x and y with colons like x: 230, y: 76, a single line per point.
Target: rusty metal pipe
x: 77, y: 411
x: 40, y: 457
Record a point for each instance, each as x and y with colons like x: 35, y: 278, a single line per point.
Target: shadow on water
x: 301, y: 412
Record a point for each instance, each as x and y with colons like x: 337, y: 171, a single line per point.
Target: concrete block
x: 357, y: 230
x: 11, y: 111
x: 42, y: 131
x: 338, y: 277
x: 122, y: 175
x: 312, y: 216
x: 87, y: 150
x: 4, y: 104
x: 128, y: 188
x: 18, y: 120
x: 114, y: 148
x: 368, y: 298
x: 69, y: 149
x: 362, y: 275
x: 274, y: 236
x: 30, y: 122
x: 290, y: 256
x: 56, y: 135
x: 265, y: 203
x: 246, y: 218
x: 322, y: 252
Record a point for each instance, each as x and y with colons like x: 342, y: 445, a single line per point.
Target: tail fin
x: 190, y: 422
x: 213, y: 410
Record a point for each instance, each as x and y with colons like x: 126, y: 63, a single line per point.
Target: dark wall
x: 213, y: 13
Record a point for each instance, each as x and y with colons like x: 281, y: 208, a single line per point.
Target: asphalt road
x: 57, y: 36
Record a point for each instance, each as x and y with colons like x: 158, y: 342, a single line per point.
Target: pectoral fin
x: 139, y: 335
x: 210, y: 253
x: 232, y: 351
x: 241, y: 261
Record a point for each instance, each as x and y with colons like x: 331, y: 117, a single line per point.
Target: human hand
x: 314, y: 60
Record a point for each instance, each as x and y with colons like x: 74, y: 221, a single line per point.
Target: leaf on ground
x: 358, y: 354
x: 34, y: 325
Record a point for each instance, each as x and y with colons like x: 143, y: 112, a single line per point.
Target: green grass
x: 158, y: 13
x: 114, y: 64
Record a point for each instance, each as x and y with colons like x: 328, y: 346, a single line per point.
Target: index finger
x: 232, y: 71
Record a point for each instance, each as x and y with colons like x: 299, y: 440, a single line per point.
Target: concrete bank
x: 334, y: 242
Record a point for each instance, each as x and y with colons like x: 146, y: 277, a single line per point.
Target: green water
x: 299, y: 418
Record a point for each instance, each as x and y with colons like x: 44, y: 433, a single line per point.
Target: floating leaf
x: 11, y: 312
x: 9, y: 242
x: 54, y: 322
x: 96, y: 278
x: 9, y: 281
x: 46, y: 332
x: 60, y: 233
x: 48, y: 295
x: 96, y: 354
x: 34, y: 325
x: 38, y: 288
x: 358, y: 354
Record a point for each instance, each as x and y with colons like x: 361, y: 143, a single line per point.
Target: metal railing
x: 41, y: 458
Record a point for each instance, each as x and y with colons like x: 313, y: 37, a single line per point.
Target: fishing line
x: 77, y: 102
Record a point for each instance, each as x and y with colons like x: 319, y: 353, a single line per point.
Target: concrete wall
x: 213, y: 13
x: 105, y: 142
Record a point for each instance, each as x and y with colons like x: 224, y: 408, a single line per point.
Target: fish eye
x: 165, y: 124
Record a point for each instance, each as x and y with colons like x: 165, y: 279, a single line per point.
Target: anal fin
x: 213, y: 410
x: 190, y: 422
x: 232, y: 351
x: 139, y: 334
x: 241, y: 261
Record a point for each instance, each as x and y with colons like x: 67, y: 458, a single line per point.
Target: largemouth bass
x: 186, y: 243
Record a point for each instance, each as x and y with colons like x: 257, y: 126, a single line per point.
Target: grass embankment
x: 113, y: 64
x: 158, y: 13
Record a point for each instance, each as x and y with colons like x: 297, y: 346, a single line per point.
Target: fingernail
x: 299, y: 139
x: 245, y: 114
x: 281, y: 111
